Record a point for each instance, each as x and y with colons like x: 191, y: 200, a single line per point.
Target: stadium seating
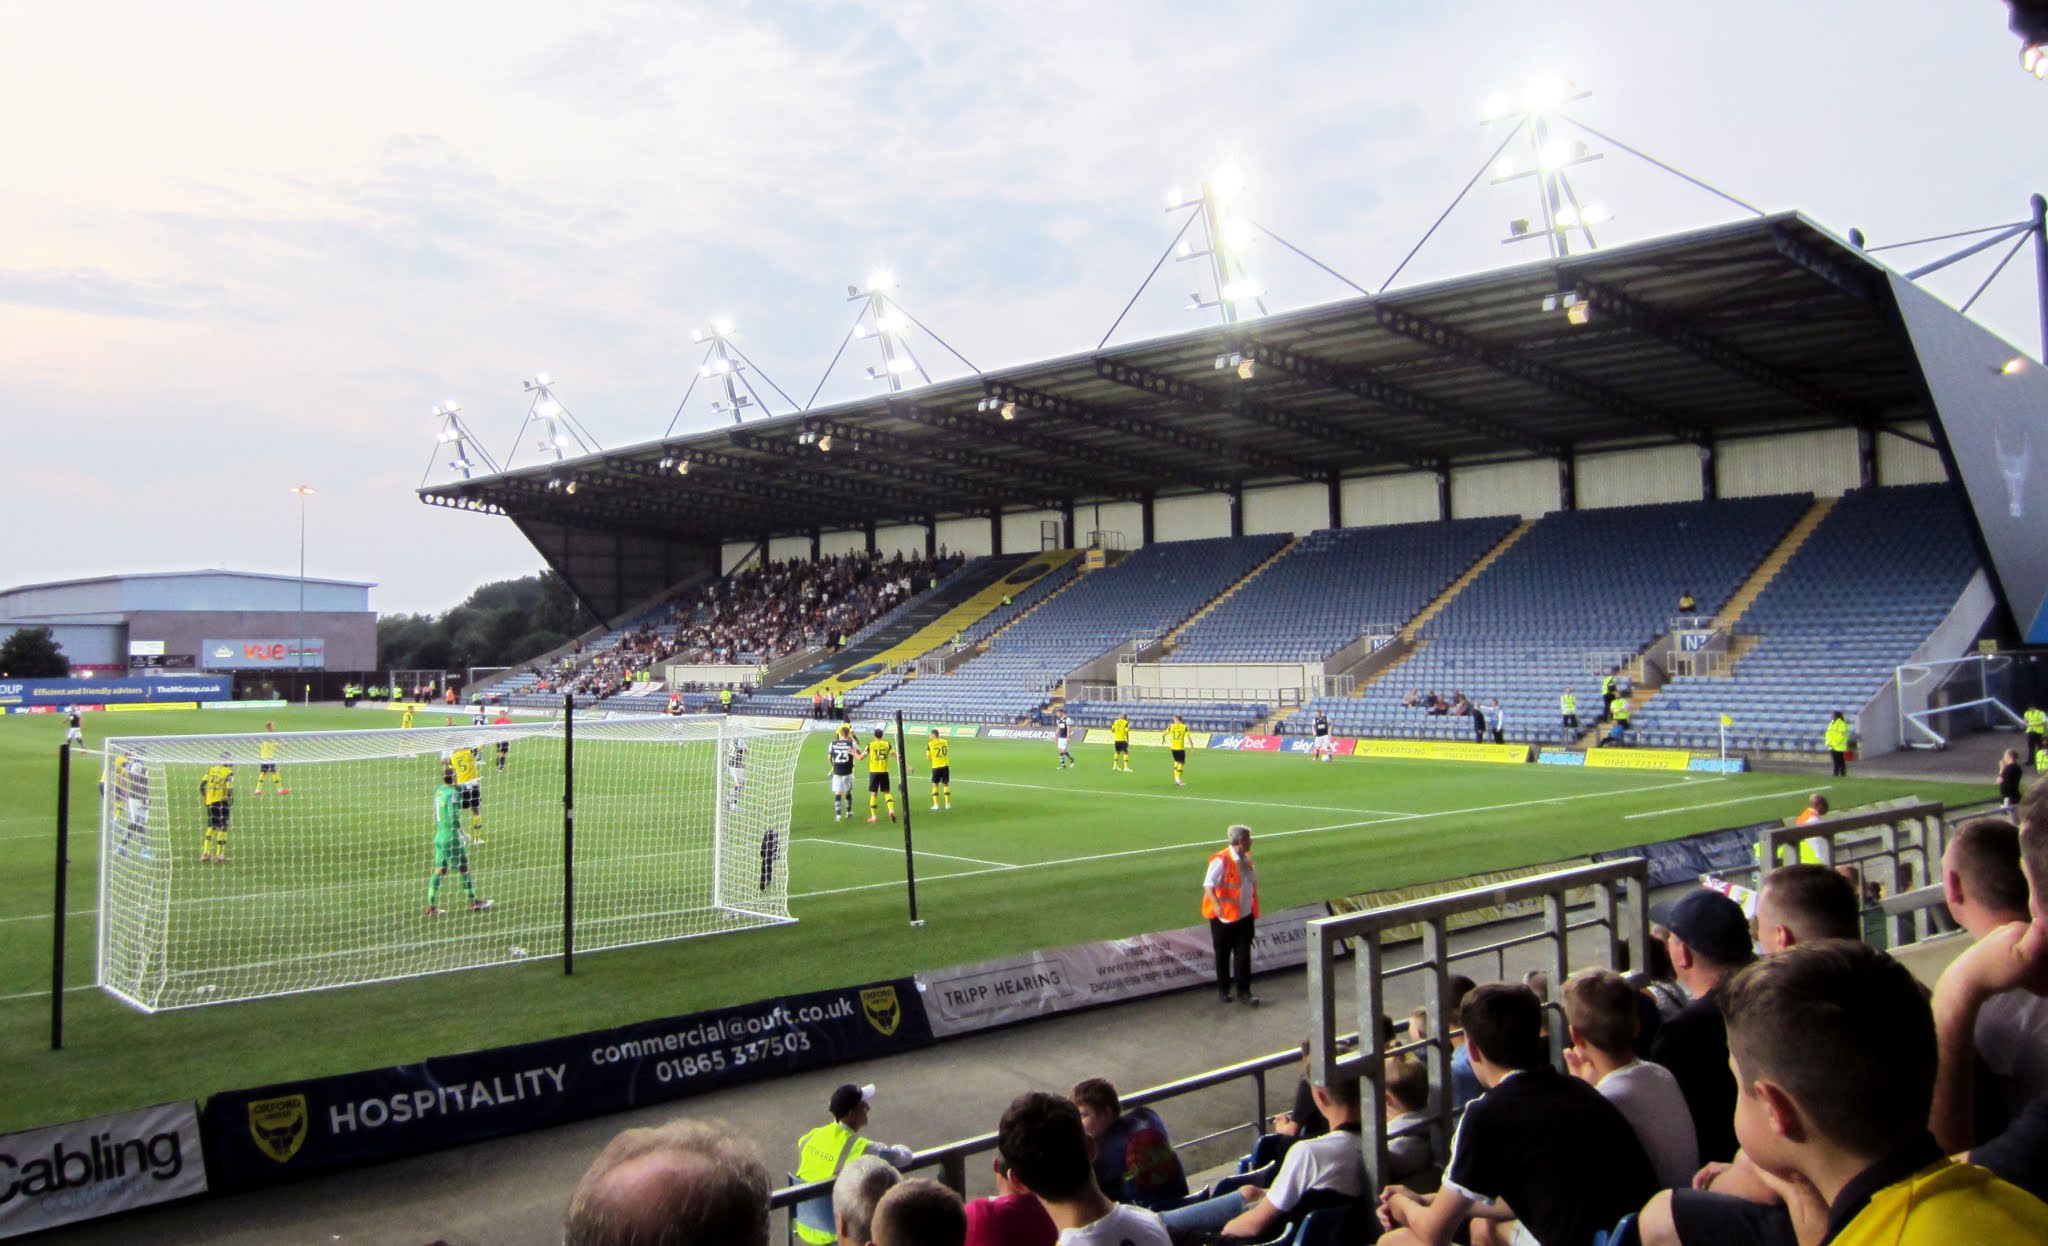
x: 1140, y: 598
x: 1868, y: 587
x: 1155, y: 715
x: 1579, y: 589
x: 1317, y: 597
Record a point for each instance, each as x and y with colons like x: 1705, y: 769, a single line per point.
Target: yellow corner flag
x: 1727, y: 721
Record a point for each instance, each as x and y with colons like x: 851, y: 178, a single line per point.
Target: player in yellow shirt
x: 936, y: 752
x: 878, y: 776
x: 217, y: 790
x: 266, y: 764
x: 1120, y: 744
x: 469, y: 784
x: 405, y: 719
x: 1177, y: 740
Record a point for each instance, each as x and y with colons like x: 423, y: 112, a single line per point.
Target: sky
x: 247, y: 246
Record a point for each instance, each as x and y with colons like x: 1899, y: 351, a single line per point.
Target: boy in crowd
x: 1042, y: 1141
x: 1600, y: 1011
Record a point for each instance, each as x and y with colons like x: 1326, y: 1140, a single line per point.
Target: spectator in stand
x: 1708, y: 938
x: 824, y: 1151
x: 920, y: 1212
x: 1836, y: 1122
x: 1324, y: 1171
x: 1465, y: 1086
x: 1413, y: 699
x: 1134, y: 1159
x: 1986, y: 888
x: 859, y: 1186
x: 1539, y: 1147
x: 2012, y: 958
x: 1478, y: 722
x: 1600, y: 1013
x: 1460, y: 706
x: 2009, y: 776
x: 1411, y: 1147
x: 1011, y: 1218
x: 1494, y: 722
x: 1801, y: 903
x: 680, y: 1184
x: 1042, y: 1141
x: 1687, y: 604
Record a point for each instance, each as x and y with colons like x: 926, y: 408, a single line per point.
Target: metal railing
x: 951, y: 1158
x: 1619, y: 899
x: 1900, y: 848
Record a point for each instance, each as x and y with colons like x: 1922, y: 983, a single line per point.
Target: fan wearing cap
x: 1708, y: 938
x: 822, y: 1152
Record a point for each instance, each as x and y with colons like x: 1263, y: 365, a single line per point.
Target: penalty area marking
x: 1306, y: 830
x: 893, y: 851
x: 1739, y: 800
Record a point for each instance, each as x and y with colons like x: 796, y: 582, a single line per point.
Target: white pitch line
x: 936, y: 856
x: 43, y: 917
x: 1739, y: 800
x: 1306, y: 830
x: 1213, y: 800
x: 8, y: 999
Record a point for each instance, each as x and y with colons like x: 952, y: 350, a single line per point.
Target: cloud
x: 94, y: 293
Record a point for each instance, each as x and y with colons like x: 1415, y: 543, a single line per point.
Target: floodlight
x: 881, y: 279
x: 889, y: 322
x: 704, y: 369
x: 554, y: 483
x: 1009, y: 410
x: 825, y: 443
x: 1550, y: 302
x: 1228, y: 180
x: 548, y: 409
x: 683, y: 468
x: 1498, y: 105
x: 1194, y: 301
x: 696, y: 335
x: 1173, y: 197
x: 561, y: 439
x: 1567, y: 216
x: 1505, y: 169
x: 2034, y: 59
x: 1518, y: 227
x: 1596, y: 213
x: 1243, y: 291
x: 1246, y: 370
x: 1556, y: 154
x: 872, y: 374
x: 723, y: 365
x: 901, y: 364
x: 860, y: 330
x: 1545, y: 93
x: 1186, y: 249
x: 572, y: 487
x: 1238, y: 232
x: 722, y: 326
x: 2012, y: 366
x: 1580, y: 312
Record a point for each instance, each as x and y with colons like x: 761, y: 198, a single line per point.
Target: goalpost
x: 331, y: 858
x: 1940, y: 697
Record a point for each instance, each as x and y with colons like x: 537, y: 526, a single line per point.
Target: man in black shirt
x: 1538, y: 1146
x: 1708, y: 940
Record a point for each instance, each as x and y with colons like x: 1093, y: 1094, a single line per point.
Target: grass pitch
x: 1030, y: 856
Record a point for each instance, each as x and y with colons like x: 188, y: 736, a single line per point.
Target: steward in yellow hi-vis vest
x: 1837, y: 740
x: 822, y: 1152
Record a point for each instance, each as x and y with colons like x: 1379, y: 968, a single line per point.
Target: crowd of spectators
x: 1781, y: 1083
x: 775, y: 609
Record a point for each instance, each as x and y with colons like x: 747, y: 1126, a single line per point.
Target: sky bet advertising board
x: 17, y: 694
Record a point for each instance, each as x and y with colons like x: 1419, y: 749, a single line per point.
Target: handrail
x: 1620, y: 895
x: 951, y: 1158
x: 1910, y: 840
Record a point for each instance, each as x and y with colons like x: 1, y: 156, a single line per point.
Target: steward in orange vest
x: 1232, y: 915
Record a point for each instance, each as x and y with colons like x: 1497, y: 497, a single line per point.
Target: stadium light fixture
x: 722, y: 325
x: 683, y: 468
x: 2034, y: 60
x: 1009, y: 411
x: 1548, y: 160
x: 2013, y: 366
x: 1226, y: 234
x: 825, y: 444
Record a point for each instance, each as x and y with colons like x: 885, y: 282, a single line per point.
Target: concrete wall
x: 1900, y: 462
x: 909, y: 538
x: 1287, y: 508
x: 1526, y: 489
x: 1125, y: 517
x: 965, y: 536
x: 784, y: 548
x: 1638, y: 477
x: 1020, y: 530
x: 730, y: 553
x: 1822, y: 463
x: 1409, y: 497
x: 1188, y: 518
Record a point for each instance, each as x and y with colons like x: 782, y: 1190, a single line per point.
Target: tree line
x: 504, y: 623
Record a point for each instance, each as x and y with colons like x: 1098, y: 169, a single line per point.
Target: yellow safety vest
x: 2037, y: 722
x: 820, y: 1154
x: 1838, y: 735
x: 1568, y: 703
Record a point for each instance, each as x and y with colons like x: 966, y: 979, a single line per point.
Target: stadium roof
x: 1761, y: 326
x: 210, y: 573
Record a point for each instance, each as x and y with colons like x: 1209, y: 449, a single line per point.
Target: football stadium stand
x: 1877, y: 576
x: 1142, y: 597
x: 1578, y: 595
x: 1322, y: 594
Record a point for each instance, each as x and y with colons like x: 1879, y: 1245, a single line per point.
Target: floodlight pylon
x: 465, y: 452
x: 560, y: 429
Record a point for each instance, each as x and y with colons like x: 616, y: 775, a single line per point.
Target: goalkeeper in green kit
x: 450, y: 849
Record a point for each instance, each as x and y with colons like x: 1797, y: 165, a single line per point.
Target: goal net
x: 245, y: 866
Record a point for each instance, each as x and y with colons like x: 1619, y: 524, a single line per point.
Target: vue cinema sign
x: 265, y: 654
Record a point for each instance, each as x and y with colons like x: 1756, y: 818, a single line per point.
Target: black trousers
x: 2033, y: 748
x: 1840, y: 760
x: 1233, y: 943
